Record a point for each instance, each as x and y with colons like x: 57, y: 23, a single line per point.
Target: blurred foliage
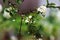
x: 4, y: 1
x: 42, y: 26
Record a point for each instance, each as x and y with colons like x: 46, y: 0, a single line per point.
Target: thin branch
x: 20, y: 26
x: 50, y: 6
x: 47, y: 2
x: 53, y: 7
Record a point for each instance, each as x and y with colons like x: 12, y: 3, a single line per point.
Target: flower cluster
x: 28, y: 19
x: 6, y: 13
x: 42, y: 10
x: 9, y: 12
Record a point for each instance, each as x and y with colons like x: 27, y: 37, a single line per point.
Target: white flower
x: 9, y: 9
x: 13, y: 20
x: 30, y: 16
x: 26, y: 21
x: 1, y: 8
x: 6, y: 15
x: 39, y: 39
x: 42, y: 9
x: 13, y: 38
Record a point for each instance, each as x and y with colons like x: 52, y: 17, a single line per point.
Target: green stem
x: 20, y: 26
x: 19, y: 34
x: 47, y: 2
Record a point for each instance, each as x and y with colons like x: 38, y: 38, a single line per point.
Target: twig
x: 50, y: 6
x: 47, y: 2
x: 53, y: 7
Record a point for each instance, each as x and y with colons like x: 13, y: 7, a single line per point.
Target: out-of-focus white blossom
x: 31, y: 22
x: 26, y: 21
x: 13, y: 20
x: 58, y: 16
x: 1, y: 8
x: 40, y: 39
x: 34, y: 36
x: 52, y: 37
x: 28, y: 32
x: 9, y: 9
x: 34, y: 21
x: 16, y: 10
x: 13, y: 38
x: 30, y: 16
x: 42, y: 9
x: 6, y: 15
x: 41, y: 35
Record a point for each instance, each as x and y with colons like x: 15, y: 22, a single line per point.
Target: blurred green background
x: 37, y: 25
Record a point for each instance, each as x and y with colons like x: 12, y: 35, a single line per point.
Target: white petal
x: 42, y: 9
x: 39, y: 39
x: 30, y: 16
x: 6, y: 15
x: 8, y: 9
x: 26, y: 21
x: 13, y: 20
